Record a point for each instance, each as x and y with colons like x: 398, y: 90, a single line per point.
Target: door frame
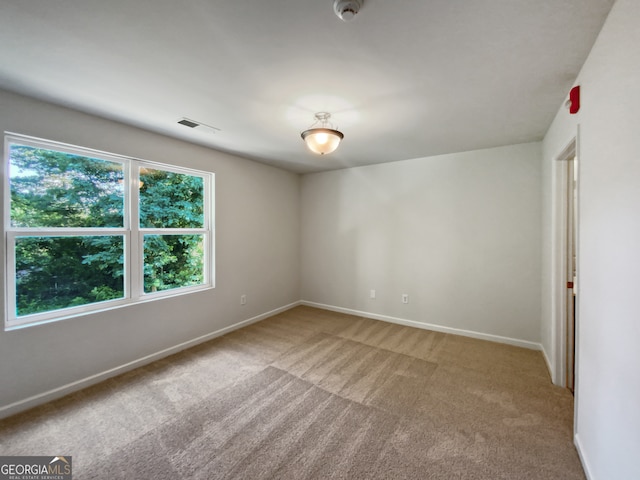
x: 559, y: 281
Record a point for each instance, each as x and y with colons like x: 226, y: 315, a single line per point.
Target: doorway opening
x: 567, y: 271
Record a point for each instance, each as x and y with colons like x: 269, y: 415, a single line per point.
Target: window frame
x: 133, y: 234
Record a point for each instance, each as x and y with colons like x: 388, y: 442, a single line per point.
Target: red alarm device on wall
x: 574, y: 99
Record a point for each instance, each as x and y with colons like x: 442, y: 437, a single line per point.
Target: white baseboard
x: 25, y: 404
x: 44, y: 397
x: 583, y: 459
x: 428, y: 326
x: 549, y: 365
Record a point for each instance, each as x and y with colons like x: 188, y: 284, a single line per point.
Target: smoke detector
x: 347, y: 9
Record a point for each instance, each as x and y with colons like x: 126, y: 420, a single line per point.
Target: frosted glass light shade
x: 322, y: 140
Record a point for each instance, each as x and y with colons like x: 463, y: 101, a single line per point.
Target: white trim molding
x: 44, y: 397
x: 547, y: 360
x: 428, y: 326
x: 583, y: 459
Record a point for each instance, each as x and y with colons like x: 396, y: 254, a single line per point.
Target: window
x: 87, y: 230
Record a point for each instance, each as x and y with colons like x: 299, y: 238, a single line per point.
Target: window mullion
x: 134, y: 244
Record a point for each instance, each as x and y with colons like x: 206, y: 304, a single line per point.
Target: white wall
x: 608, y: 366
x: 459, y: 233
x: 257, y: 254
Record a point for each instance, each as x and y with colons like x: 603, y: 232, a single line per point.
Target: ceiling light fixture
x: 324, y: 138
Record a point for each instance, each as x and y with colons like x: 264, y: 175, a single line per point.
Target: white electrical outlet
x: 405, y: 298
x: 372, y: 294
x: 243, y: 299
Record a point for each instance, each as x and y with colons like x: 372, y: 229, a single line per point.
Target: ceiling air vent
x: 188, y: 123
x: 198, y: 125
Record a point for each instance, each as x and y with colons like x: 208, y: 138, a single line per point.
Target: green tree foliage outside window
x: 61, y: 272
x: 171, y: 200
x: 56, y: 189
x: 172, y: 261
x: 56, y: 195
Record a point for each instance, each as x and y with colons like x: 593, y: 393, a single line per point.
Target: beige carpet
x: 311, y: 394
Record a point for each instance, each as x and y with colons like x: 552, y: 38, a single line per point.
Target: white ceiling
x: 405, y: 79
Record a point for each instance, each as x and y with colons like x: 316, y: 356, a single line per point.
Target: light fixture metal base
x: 347, y: 9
